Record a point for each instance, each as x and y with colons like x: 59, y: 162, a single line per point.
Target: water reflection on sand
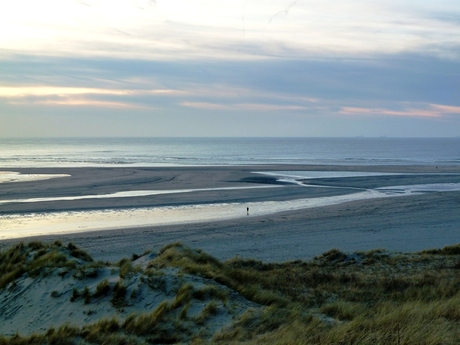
x: 12, y: 176
x: 17, y: 226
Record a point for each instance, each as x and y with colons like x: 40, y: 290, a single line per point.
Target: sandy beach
x: 405, y: 223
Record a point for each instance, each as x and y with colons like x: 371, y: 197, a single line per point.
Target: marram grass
x: 374, y: 297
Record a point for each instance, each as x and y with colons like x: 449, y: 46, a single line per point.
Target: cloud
x: 72, y: 97
x: 16, y: 92
x: 83, y: 3
x: 24, y: 91
x: 429, y: 111
x: 180, y: 29
x: 82, y: 102
x: 256, y: 107
x: 205, y: 105
x: 446, y: 109
x: 283, y: 12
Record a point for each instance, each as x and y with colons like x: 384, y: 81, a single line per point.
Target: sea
x: 148, y: 152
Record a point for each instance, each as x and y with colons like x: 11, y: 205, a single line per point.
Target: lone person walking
x: 247, y: 211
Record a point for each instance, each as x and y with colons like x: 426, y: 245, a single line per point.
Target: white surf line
x: 14, y: 177
x: 18, y: 226
x: 128, y: 194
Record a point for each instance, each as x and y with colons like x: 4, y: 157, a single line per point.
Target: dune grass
x: 373, y: 297
x: 365, y: 298
x: 36, y: 258
x: 119, y: 293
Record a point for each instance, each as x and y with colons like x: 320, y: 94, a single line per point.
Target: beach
x: 404, y: 223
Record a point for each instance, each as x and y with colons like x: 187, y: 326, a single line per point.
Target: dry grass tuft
x: 119, y: 293
x: 183, y: 296
x: 34, y: 259
x: 373, y: 297
x: 448, y: 250
x: 102, y: 289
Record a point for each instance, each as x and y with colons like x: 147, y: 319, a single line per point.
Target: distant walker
x: 247, y: 211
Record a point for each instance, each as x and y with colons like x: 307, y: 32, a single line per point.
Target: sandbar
x: 408, y: 223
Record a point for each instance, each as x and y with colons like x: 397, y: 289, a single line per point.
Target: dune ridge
x: 51, y: 293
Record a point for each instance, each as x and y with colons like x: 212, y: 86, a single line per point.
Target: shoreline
x: 407, y: 224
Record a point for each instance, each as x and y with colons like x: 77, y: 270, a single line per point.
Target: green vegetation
x: 75, y: 295
x: 34, y: 259
x: 183, y: 296
x: 119, y: 293
x: 78, y: 253
x: 86, y: 295
x: 102, y: 288
x: 373, y: 297
x: 207, y: 312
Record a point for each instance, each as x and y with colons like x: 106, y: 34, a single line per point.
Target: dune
x: 51, y: 286
x: 56, y: 294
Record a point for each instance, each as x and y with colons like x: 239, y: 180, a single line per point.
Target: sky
x: 302, y: 68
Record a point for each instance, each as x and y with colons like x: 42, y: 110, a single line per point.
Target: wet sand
x: 409, y: 223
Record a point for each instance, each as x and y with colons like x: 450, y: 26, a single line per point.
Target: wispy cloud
x: 257, y: 107
x: 285, y: 11
x: 365, y: 65
x: 24, y: 91
x: 82, y: 102
x: 205, y: 105
x: 180, y: 29
x: 51, y: 96
x: 446, y: 109
x: 427, y: 111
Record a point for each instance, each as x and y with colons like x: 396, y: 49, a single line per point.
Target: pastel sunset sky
x: 230, y: 68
